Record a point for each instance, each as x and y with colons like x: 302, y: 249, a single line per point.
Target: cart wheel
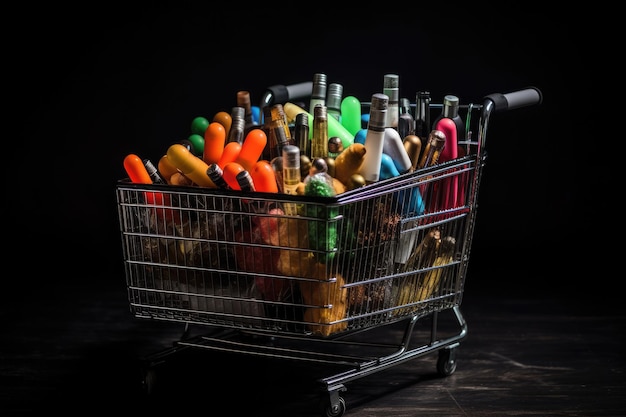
x: 446, y: 362
x: 337, y: 411
x: 149, y: 381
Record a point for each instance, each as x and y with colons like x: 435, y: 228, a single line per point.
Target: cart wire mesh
x: 394, y: 249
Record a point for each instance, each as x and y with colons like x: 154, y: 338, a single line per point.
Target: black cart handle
x: 522, y: 98
x: 494, y: 103
x: 283, y: 93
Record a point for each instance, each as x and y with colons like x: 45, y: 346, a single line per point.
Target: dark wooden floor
x: 78, y: 349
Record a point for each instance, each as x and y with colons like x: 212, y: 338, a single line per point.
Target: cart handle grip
x: 516, y: 99
x: 283, y: 93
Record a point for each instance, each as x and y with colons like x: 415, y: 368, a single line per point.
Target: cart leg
x: 148, y: 380
x: 151, y: 363
x: 149, y: 369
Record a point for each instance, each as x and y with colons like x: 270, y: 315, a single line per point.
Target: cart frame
x: 173, y: 266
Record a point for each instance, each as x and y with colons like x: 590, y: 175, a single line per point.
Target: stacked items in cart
x: 311, y: 219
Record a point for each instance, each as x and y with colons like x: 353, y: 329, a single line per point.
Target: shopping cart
x: 257, y: 281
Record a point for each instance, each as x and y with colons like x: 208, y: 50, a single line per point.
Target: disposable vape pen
x: 318, y: 91
x: 136, y: 170
x: 375, y: 138
x: 244, y: 179
x: 333, y: 100
x: 406, y: 124
x: 422, y: 115
x: 394, y: 147
x: 243, y: 100
x: 214, y: 142
x: 413, y: 146
x: 351, y: 114
x: 319, y: 141
x: 237, y: 125
x: 391, y: 90
x: 264, y: 177
x: 252, y: 148
x: 189, y: 165
x: 432, y: 150
x: 291, y: 175
x: 301, y: 134
x: 335, y: 128
x: 448, y: 195
x: 217, y: 175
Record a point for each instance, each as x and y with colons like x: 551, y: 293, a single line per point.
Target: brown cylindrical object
x: 434, y: 146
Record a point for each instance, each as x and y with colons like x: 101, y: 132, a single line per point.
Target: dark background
x: 92, y: 89
x: 84, y: 87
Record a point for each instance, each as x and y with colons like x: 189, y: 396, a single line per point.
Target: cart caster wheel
x: 336, y: 411
x: 149, y: 381
x: 446, y: 362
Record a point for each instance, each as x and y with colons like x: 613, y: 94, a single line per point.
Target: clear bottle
x: 374, y: 138
x: 319, y: 141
